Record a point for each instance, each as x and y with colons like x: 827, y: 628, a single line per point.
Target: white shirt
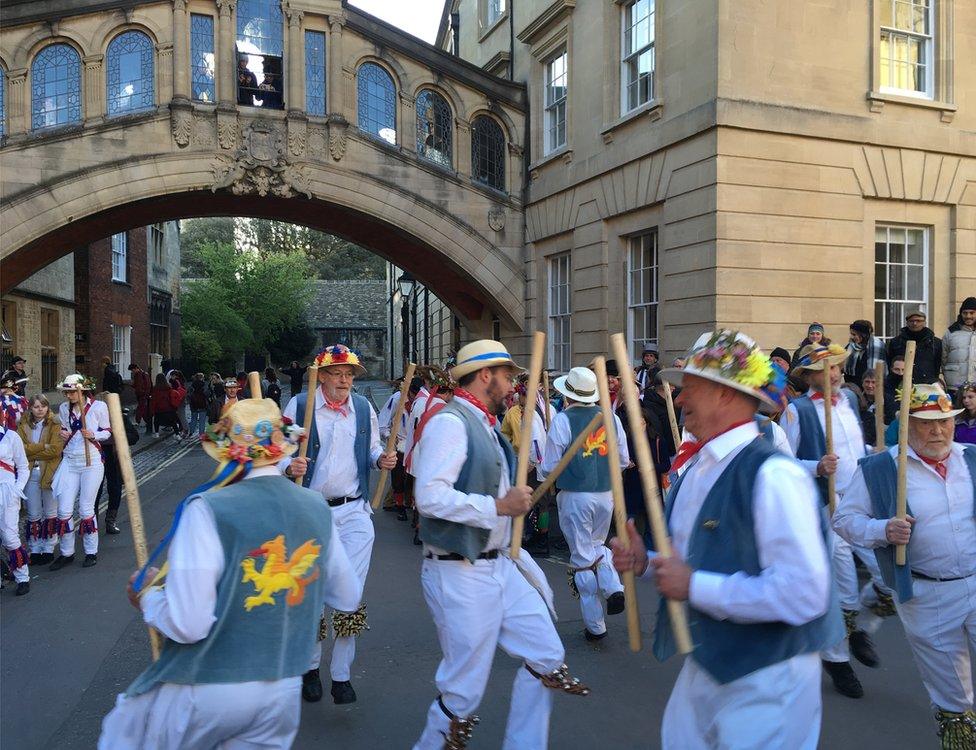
x: 96, y: 420
x: 185, y: 609
x: 848, y: 438
x: 421, y: 405
x: 794, y: 584
x: 944, y: 534
x: 12, y: 452
x: 336, y: 473
x: 385, y: 421
x: 561, y: 435
x: 443, y: 451
x: 780, y: 441
x: 539, y: 435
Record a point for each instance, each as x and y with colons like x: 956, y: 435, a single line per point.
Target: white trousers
x: 584, y: 518
x: 41, y: 505
x: 940, y: 624
x: 10, y: 525
x: 848, y: 591
x: 236, y: 716
x: 76, y: 483
x: 354, y: 523
x: 476, y: 608
x: 775, y: 708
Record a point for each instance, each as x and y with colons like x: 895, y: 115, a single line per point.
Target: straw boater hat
x: 734, y: 360
x: 930, y: 402
x: 340, y: 354
x: 484, y: 353
x: 253, y: 432
x: 579, y: 385
x: 76, y: 382
x: 814, y: 356
x: 231, y: 383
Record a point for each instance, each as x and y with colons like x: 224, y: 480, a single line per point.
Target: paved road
x: 71, y: 645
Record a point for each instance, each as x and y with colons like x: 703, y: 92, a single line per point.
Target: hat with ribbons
x: 478, y: 354
x: 816, y: 356
x: 76, y: 382
x: 253, y: 432
x: 929, y: 401
x: 579, y: 384
x: 340, y: 354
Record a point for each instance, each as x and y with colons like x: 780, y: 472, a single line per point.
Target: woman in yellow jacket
x: 41, y: 432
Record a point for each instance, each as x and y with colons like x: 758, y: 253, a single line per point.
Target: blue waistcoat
x: 813, y: 441
x: 724, y: 541
x: 267, y: 621
x: 765, y: 425
x: 589, y: 470
x: 361, y: 446
x: 881, y: 478
x: 479, y: 475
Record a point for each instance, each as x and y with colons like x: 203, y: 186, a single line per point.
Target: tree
x: 197, y: 233
x: 294, y: 343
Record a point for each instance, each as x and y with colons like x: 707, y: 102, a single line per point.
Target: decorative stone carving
x: 227, y: 134
x: 337, y: 136
x: 317, y: 140
x: 179, y: 5
x: 296, y: 143
x: 203, y: 132
x: 496, y: 219
x: 181, y: 124
x: 259, y: 167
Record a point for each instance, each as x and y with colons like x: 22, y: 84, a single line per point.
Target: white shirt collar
x: 721, y: 446
x: 263, y: 471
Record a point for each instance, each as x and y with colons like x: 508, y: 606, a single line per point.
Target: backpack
x: 274, y: 392
x: 198, y: 397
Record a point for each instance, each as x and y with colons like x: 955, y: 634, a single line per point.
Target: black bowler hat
x: 18, y: 359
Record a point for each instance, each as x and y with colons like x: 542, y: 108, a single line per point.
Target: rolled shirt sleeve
x: 854, y: 520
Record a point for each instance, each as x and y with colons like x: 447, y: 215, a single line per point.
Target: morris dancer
x: 12, y: 404
x: 478, y: 596
x: 344, y: 445
x: 14, y: 473
x: 40, y: 432
x: 232, y: 389
x: 399, y: 477
x: 746, y: 519
x: 249, y: 569
x: 80, y: 473
x: 584, y: 501
x: 936, y: 589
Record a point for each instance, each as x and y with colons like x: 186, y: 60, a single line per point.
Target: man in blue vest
x: 479, y: 597
x: 749, y: 558
x: 343, y: 447
x: 936, y: 588
x: 584, y: 500
x: 250, y: 566
x: 804, y: 421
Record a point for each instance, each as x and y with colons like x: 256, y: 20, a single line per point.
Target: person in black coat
x: 111, y: 380
x: 928, y: 348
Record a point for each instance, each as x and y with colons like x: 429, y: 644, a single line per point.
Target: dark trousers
x: 112, y: 483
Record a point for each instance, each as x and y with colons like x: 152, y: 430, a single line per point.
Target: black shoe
x: 844, y: 679
x: 863, y: 649
x: 111, y: 527
x: 342, y: 692
x: 90, y: 561
x: 22, y: 588
x: 41, y: 558
x: 62, y: 562
x: 311, y: 686
x: 401, y: 514
x: 416, y: 538
x: 615, y: 603
x: 594, y: 636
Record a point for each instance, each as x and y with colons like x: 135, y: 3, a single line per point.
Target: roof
x: 349, y: 304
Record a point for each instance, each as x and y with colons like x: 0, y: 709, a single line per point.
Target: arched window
x: 130, y: 74
x: 260, y: 53
x: 434, y: 132
x: 377, y: 102
x: 55, y: 87
x: 488, y: 153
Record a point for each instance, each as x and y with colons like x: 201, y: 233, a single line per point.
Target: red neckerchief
x: 818, y: 396
x: 475, y: 401
x: 339, y: 406
x: 689, y: 448
x: 939, y: 465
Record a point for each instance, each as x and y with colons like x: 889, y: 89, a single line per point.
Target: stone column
x: 295, y: 60
x: 181, y: 50
x: 407, y: 125
x: 95, y: 106
x: 227, y: 54
x: 335, y: 85
x: 164, y: 54
x: 18, y: 104
x: 462, y: 146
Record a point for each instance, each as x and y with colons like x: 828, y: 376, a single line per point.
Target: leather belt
x: 489, y: 555
x: 337, y: 501
x: 922, y: 576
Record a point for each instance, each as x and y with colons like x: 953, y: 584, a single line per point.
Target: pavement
x: 75, y: 642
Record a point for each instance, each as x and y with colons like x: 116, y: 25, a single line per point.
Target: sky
x: 417, y: 17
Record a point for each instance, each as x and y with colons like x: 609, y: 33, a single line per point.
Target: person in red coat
x: 142, y: 385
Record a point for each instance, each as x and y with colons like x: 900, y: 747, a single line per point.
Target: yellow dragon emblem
x: 280, y: 572
x: 595, y: 441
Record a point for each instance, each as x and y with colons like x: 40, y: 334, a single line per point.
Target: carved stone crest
x: 259, y: 166
x: 496, y: 219
x: 181, y: 124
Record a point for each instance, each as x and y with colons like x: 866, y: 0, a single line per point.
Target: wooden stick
x: 879, y: 425
x: 652, y: 496
x: 81, y: 408
x: 131, y: 495
x: 617, y: 490
x: 394, y: 433
x: 828, y: 399
x: 572, y: 450
x: 254, y: 384
x: 901, y: 500
x: 525, y: 441
x: 313, y: 386
x: 669, y: 400
x: 545, y: 400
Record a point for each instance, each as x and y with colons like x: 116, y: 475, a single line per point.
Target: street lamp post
x: 405, y: 283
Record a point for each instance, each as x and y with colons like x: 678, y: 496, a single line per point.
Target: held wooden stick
x: 617, y: 490
x: 394, y: 433
x: 669, y: 400
x: 879, y: 425
x: 901, y: 499
x: 313, y: 386
x: 545, y: 399
x: 525, y: 440
x: 652, y: 497
x: 254, y: 384
x: 572, y: 450
x: 82, y: 403
x: 828, y: 399
x: 131, y: 494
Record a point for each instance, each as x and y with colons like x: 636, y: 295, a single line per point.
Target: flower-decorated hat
x: 929, y: 401
x: 253, y: 432
x: 77, y: 382
x: 340, y: 354
x: 12, y: 383
x: 733, y: 359
x: 438, y: 378
x: 579, y: 385
x: 478, y: 354
x: 813, y: 357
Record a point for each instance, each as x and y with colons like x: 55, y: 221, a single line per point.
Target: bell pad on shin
x: 559, y: 679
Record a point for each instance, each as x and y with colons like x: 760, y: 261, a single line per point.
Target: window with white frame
x: 120, y: 251
x: 557, y: 89
x: 560, y: 312
x: 637, y: 55
x: 121, y: 347
x: 642, y: 296
x: 907, y: 46
x: 901, y: 278
x: 157, y: 244
x: 494, y: 9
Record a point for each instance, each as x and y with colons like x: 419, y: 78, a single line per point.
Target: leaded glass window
x: 130, y: 74
x: 434, y: 131
x: 202, y: 59
x: 260, y: 49
x: 315, y: 72
x: 488, y: 153
x: 55, y: 87
x: 377, y: 102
